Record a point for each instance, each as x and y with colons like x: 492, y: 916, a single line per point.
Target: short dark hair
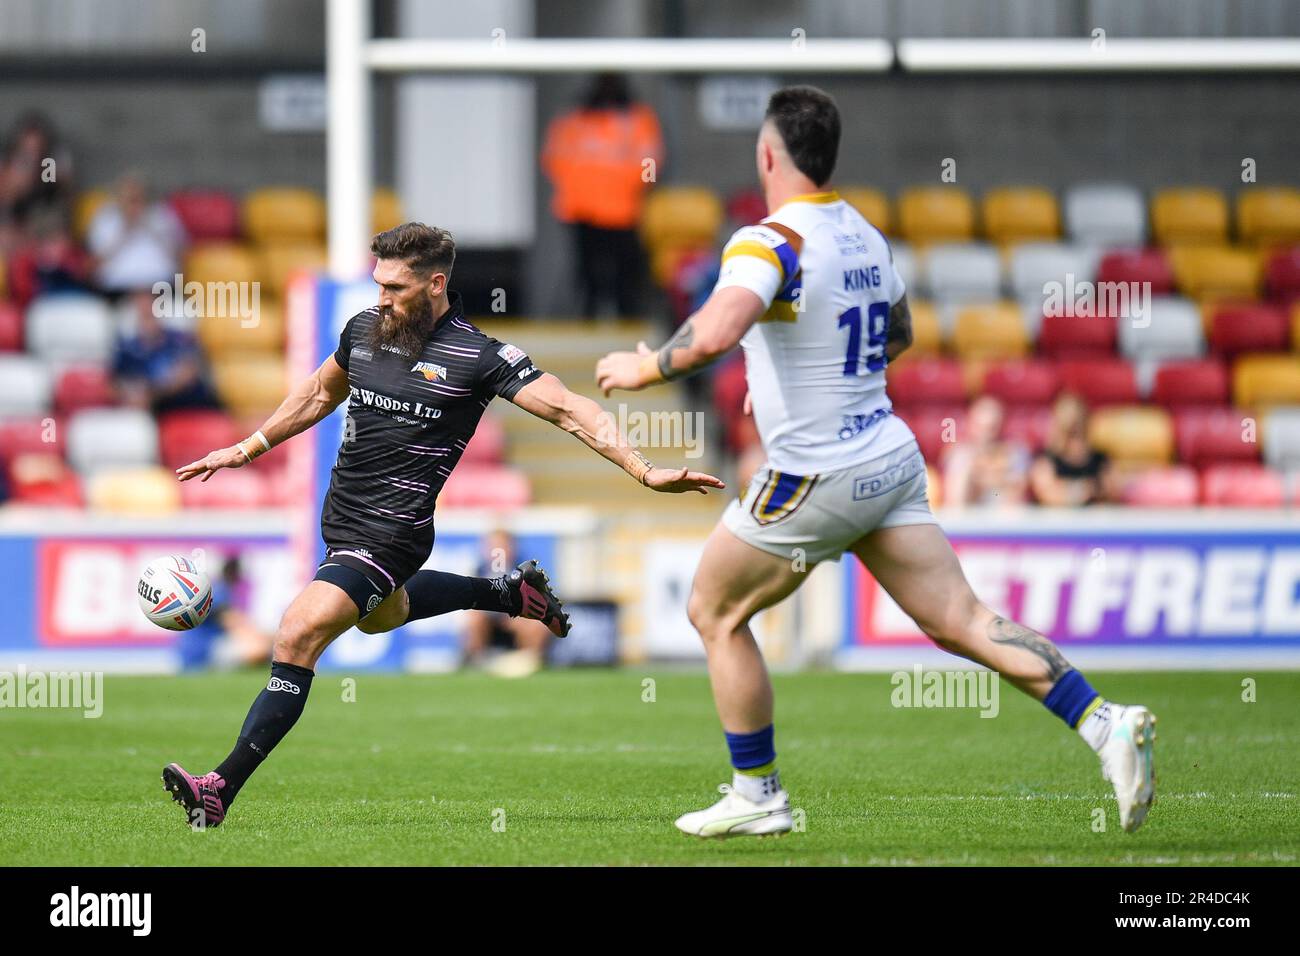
x: 423, y: 248
x: 809, y: 123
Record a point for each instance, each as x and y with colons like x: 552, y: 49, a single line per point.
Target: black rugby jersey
x: 409, y: 418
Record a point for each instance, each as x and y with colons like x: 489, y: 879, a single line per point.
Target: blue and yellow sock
x: 1073, y: 699
x: 753, y: 757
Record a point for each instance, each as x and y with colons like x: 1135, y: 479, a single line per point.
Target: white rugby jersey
x: 815, y: 361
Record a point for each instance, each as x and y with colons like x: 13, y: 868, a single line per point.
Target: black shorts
x: 367, y: 575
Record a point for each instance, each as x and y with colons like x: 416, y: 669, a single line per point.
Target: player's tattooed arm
x: 681, y: 341
x: 1002, y: 631
x: 899, y: 334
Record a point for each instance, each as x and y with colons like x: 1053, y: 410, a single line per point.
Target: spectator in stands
x: 158, y: 368
x: 596, y: 158
x: 1069, y: 472
x: 512, y: 646
x: 47, y: 259
x: 229, y: 637
x: 35, y: 172
x: 135, y: 242
x: 981, y: 469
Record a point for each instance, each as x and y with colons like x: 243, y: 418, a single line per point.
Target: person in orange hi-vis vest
x: 601, y: 157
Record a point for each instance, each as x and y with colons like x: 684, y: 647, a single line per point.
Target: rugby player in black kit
x: 417, y: 376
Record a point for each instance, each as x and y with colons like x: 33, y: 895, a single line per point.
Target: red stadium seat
x: 11, y: 327
x: 1242, y: 486
x: 485, y: 486
x: 206, y: 214
x: 186, y: 436
x: 488, y: 444
x: 927, y: 380
x: 1138, y: 265
x: 238, y: 488
x: 1173, y: 487
x: 1249, y: 327
x: 1282, y: 275
x: 1191, y: 383
x: 1100, y: 381
x: 83, y: 386
x: 30, y: 434
x: 63, y: 491
x: 1022, y: 383
x: 1027, y: 424
x: 1077, y: 336
x: 1206, y: 435
x: 936, y: 427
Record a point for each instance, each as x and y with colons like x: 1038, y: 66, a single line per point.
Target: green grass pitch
x: 576, y: 768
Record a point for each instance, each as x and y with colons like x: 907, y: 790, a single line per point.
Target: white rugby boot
x: 734, y: 815
x: 1127, y: 762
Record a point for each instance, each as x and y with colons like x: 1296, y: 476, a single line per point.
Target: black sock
x: 436, y: 592
x: 276, y: 709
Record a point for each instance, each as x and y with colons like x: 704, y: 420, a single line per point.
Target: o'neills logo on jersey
x: 431, y: 372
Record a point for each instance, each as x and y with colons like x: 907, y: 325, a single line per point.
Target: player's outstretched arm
x: 311, y: 400
x: 710, y: 333
x: 548, y: 398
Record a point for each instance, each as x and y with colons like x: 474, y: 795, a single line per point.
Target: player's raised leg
x: 733, y: 582
x: 917, y: 566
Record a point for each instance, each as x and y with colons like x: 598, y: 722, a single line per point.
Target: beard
x: 405, y: 335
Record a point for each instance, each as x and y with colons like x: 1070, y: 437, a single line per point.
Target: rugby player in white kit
x: 812, y: 296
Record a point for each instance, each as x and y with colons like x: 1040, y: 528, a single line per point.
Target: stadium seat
x: 871, y: 203
x: 244, y: 488
x: 26, y: 387
x: 1269, y: 215
x: 1172, y: 330
x: 84, y: 208
x: 936, y: 427
x: 1263, y: 380
x: 1032, y: 265
x: 1206, y: 435
x: 681, y: 216
x: 206, y: 214
x: 927, y: 380
x: 187, y: 435
x: 1020, y: 214
x: 1100, y: 381
x: 906, y: 266
x: 11, y: 327
x: 746, y: 206
x: 1175, y: 486
x: 1021, y: 383
x: 70, y: 327
x: 1077, y: 336
x: 1105, y: 214
x: 1027, y: 424
x: 929, y: 214
x: 1282, y: 438
x: 1138, y: 265
x: 44, y: 480
x: 278, y: 262
x: 1215, y: 272
x: 83, y: 386
x: 101, y: 438
x: 488, y: 445
x: 1179, y: 384
x: 1282, y: 275
x: 249, y: 382
x: 263, y: 331
x: 1134, y: 434
x: 385, y: 210
x: 121, y: 490
x: 993, y: 331
x: 485, y: 486
x: 1248, y: 327
x: 1242, y: 486
x: 220, y: 262
x: 963, y: 272
x: 284, y: 214
x: 927, y: 336
x: 1189, y: 216
x: 31, y: 435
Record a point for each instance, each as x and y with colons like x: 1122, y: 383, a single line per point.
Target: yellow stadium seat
x: 249, y: 383
x: 1269, y: 215
x: 1135, y: 434
x: 220, y: 262
x: 134, y: 491
x: 385, y: 210
x: 279, y: 261
x: 1216, y: 272
x: 4, y: 278
x: 1295, y: 327
x: 927, y: 335
x: 1191, y: 216
x: 280, y: 214
x: 872, y: 203
x: 84, y: 209
x: 993, y: 331
x: 936, y: 214
x: 261, y: 332
x: 683, y: 216
x: 1021, y: 214
x: 1262, y: 380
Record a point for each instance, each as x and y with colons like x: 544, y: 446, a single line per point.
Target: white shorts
x: 823, y: 515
